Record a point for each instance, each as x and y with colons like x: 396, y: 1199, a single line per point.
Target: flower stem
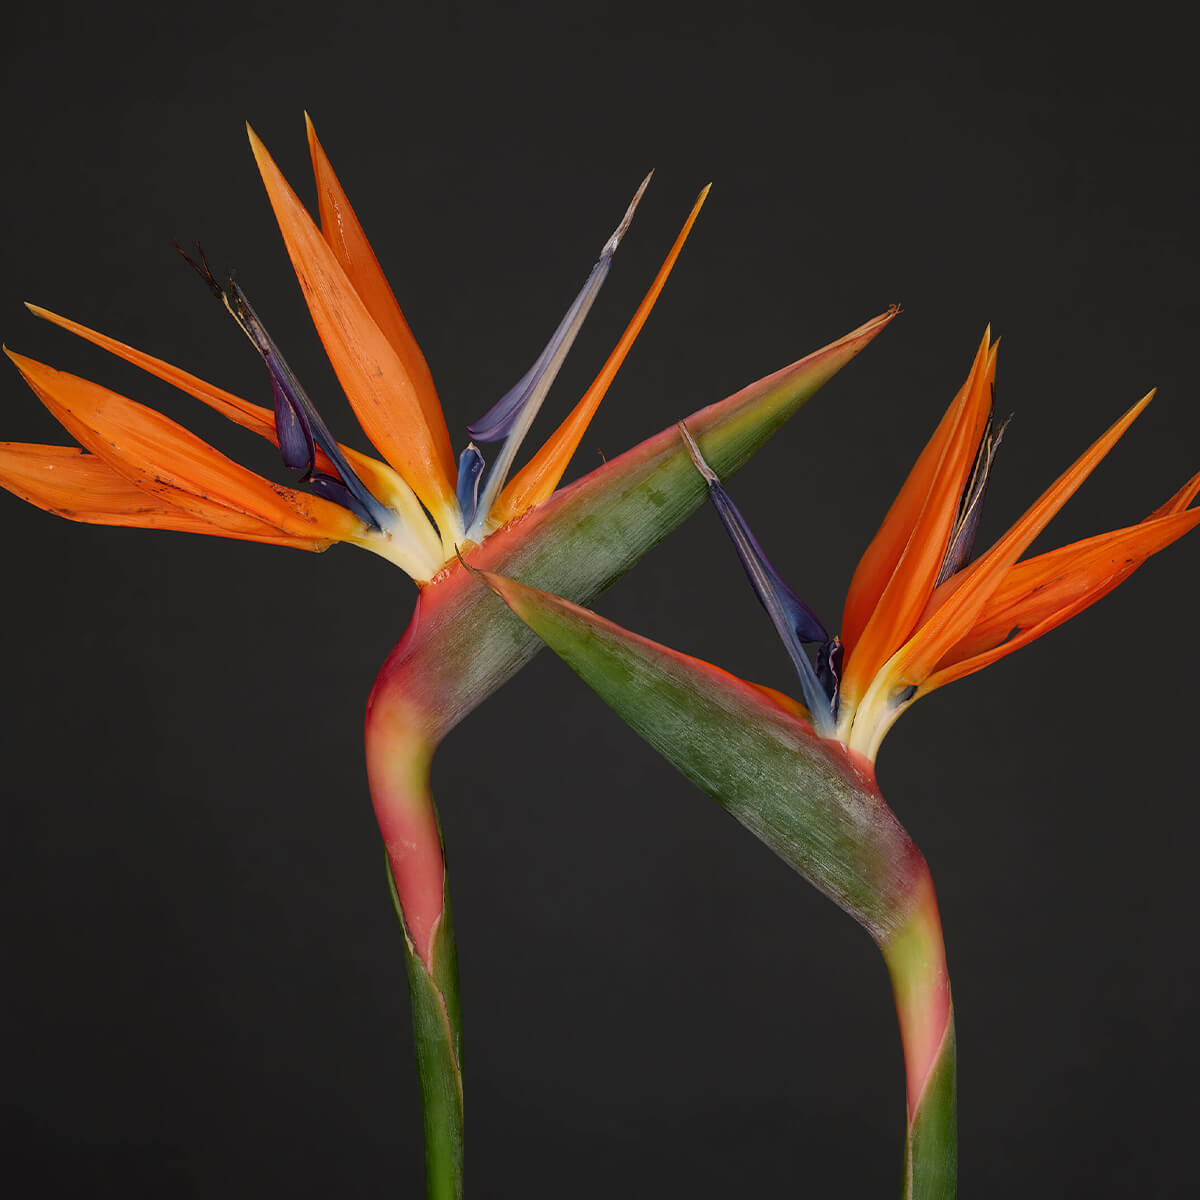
x: 916, y: 959
x: 399, y: 743
x: 437, y: 1040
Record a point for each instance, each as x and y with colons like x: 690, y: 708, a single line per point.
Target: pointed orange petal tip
x: 1180, y: 500
x: 375, y: 380
x: 911, y: 581
x: 18, y: 360
x: 71, y: 483
x: 165, y: 459
x: 878, y: 562
x: 345, y: 236
x: 951, y: 622
x: 1076, y: 578
x: 249, y: 416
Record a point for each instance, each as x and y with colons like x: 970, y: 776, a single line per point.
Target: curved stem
x: 916, y: 959
x: 400, y: 739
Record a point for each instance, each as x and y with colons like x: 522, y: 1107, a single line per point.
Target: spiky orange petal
x: 1044, y: 592
x: 1180, y: 500
x: 879, y: 560
x: 164, y: 459
x: 341, y: 229
x: 541, y: 475
x: 384, y: 483
x: 249, y: 416
x: 375, y: 380
x: 1036, y: 587
x: 912, y: 581
x: 82, y: 487
x: 954, y: 619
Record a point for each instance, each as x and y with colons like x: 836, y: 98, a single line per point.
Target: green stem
x: 437, y: 1040
x: 916, y: 958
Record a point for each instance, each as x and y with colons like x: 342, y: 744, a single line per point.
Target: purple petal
x: 295, y: 435
x: 470, y: 468
x: 498, y: 422
x: 794, y: 621
x: 829, y: 670
x: 298, y: 425
x: 521, y: 404
x: 970, y: 506
x: 329, y: 488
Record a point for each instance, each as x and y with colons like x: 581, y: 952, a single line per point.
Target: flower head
x: 414, y: 507
x: 920, y: 612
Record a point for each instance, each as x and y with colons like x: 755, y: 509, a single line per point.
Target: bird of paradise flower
x: 919, y: 613
x: 418, y: 507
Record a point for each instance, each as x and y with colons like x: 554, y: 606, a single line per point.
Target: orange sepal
x: 341, y: 229
x: 1180, y: 500
x: 912, y: 580
x: 1042, y: 593
x: 371, y: 373
x: 540, y: 476
x: 378, y: 477
x: 954, y: 619
x: 249, y: 416
x: 82, y: 487
x: 886, y: 548
x: 162, y: 458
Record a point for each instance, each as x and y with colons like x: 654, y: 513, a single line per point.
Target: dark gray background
x: 204, y: 989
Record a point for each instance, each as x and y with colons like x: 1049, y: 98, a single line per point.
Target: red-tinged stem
x: 399, y: 755
x: 916, y: 959
x: 403, y: 727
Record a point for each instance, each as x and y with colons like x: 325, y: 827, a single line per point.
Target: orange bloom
x: 919, y: 613
x: 137, y: 467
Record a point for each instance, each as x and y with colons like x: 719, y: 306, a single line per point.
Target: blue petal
x: 794, y: 621
x: 498, y: 422
x: 970, y: 505
x: 470, y: 468
x: 329, y: 488
x: 829, y: 670
x: 298, y: 424
x: 511, y: 417
x: 495, y: 424
x: 295, y: 435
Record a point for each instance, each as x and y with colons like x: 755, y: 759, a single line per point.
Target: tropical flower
x: 920, y: 613
x: 801, y: 777
x: 418, y: 506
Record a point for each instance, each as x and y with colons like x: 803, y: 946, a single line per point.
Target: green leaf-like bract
x: 812, y: 802
x: 805, y: 797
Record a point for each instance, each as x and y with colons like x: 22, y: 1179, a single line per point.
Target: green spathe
x: 811, y: 801
x: 806, y: 798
